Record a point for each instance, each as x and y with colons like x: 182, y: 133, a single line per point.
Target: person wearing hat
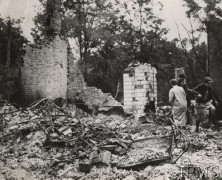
x: 189, y: 94
x: 204, y: 101
x: 177, y: 98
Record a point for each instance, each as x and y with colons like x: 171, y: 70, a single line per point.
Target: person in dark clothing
x: 189, y: 94
x: 204, y: 102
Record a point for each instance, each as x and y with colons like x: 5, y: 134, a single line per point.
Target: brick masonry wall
x: 140, y: 87
x: 44, y: 72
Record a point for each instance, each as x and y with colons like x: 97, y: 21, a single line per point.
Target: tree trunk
x: 9, y: 45
x: 208, y: 53
x: 8, y: 63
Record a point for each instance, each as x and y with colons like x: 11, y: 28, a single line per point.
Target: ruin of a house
x: 49, y: 69
x: 140, y: 87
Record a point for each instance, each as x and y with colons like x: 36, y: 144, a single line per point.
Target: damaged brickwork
x: 140, y: 87
x: 45, y: 68
x: 50, y: 71
x: 44, y: 72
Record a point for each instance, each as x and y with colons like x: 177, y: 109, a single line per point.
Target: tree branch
x: 192, y: 40
x: 186, y: 55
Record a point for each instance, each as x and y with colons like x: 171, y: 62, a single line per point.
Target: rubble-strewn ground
x: 47, y: 142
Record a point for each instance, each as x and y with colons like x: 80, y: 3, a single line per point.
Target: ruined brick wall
x: 76, y: 82
x: 44, y: 72
x: 49, y: 70
x: 140, y: 87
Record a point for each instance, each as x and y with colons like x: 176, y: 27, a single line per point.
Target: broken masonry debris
x: 44, y: 135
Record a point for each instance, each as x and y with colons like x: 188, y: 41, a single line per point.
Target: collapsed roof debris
x: 94, y: 100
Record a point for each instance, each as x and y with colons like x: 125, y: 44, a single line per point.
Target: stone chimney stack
x: 53, y: 17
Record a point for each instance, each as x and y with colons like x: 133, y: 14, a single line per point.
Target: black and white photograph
x: 110, y: 89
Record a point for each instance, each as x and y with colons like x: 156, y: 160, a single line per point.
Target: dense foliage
x: 12, y: 44
x: 208, y: 14
x: 10, y: 30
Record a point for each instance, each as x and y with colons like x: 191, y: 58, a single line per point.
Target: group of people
x: 179, y: 98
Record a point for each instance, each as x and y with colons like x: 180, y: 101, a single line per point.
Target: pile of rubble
x: 45, y: 141
x: 49, y: 141
x: 95, y: 98
x: 203, y: 160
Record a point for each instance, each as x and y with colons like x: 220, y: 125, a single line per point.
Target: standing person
x: 204, y: 102
x: 177, y: 98
x: 189, y: 94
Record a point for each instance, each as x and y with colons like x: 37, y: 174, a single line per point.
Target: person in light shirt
x: 177, y: 98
